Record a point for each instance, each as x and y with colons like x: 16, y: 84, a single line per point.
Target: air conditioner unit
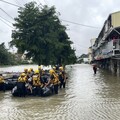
x: 116, y: 52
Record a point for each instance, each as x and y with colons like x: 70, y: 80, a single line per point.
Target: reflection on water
x: 86, y: 97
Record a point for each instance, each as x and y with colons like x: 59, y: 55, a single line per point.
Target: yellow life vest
x: 55, y: 79
x: 1, y: 79
x: 36, y: 80
x: 22, y: 79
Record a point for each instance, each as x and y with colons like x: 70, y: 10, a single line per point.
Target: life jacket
x: 55, y: 79
x: 22, y: 79
x: 36, y: 80
x: 1, y: 79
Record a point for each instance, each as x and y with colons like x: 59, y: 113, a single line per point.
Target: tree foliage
x: 6, y: 58
x: 41, y: 36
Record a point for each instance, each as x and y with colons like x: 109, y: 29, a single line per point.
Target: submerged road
x: 86, y: 97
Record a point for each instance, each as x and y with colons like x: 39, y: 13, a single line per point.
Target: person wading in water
x: 94, y: 68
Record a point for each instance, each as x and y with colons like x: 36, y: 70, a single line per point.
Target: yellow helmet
x: 54, y: 68
x: 36, y: 71
x: 39, y: 67
x: 23, y: 74
x: 25, y: 70
x: 51, y: 71
x: 61, y: 68
x: 31, y: 69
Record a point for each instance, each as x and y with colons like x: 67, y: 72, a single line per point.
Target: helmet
x: 31, y: 69
x: 54, y: 68
x: 36, y: 71
x: 51, y: 71
x: 23, y: 74
x: 39, y: 67
x: 61, y: 68
x: 25, y: 69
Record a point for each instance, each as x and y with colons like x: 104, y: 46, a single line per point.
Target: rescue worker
x: 21, y: 85
x: 29, y: 82
x: 54, y: 68
x: 37, y: 84
x: 29, y: 73
x: 26, y: 73
x: 25, y: 70
x: 62, y: 77
x: 2, y: 83
x: 54, y: 80
x: 32, y: 71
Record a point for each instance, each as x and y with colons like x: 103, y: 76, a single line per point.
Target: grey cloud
x: 89, y: 12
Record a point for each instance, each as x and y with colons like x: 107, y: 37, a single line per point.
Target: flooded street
x: 86, y: 97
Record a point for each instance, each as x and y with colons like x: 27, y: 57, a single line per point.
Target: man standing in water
x: 94, y: 68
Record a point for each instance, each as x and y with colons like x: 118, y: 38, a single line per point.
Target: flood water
x: 86, y: 97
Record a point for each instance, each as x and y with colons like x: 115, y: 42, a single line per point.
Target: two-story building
x: 106, y: 49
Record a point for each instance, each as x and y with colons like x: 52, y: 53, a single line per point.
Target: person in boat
x: 48, y: 88
x: 94, y: 68
x: 25, y: 70
x: 37, y: 84
x: 2, y: 83
x: 26, y: 73
x: 54, y: 80
x: 40, y: 70
x: 29, y: 82
x: 62, y: 77
x: 32, y: 72
x: 21, y: 85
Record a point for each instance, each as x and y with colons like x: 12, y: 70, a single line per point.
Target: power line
x: 61, y: 19
x: 6, y: 23
x: 10, y: 3
x: 7, y: 14
x: 80, y: 24
x: 6, y: 19
x: 17, y: 2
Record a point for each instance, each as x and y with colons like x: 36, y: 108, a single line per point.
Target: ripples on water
x: 86, y: 97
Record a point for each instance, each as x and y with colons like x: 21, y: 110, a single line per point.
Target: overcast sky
x: 85, y: 12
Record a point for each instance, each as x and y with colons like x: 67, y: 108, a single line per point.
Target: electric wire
x: 60, y: 19
x: 80, y: 24
x: 6, y: 19
x: 6, y: 23
x: 7, y: 14
x: 10, y: 3
x: 18, y: 2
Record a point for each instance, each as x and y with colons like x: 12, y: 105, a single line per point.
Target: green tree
x: 40, y: 35
x: 6, y: 58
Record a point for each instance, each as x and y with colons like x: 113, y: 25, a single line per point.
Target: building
x: 106, y: 49
x: 90, y: 50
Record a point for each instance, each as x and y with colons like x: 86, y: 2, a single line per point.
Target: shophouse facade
x: 106, y: 49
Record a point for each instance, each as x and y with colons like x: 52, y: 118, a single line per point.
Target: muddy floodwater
x: 86, y: 97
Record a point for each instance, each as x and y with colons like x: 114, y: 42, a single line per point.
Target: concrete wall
x: 115, y: 19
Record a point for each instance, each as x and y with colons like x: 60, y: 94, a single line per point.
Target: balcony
x: 109, y: 49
